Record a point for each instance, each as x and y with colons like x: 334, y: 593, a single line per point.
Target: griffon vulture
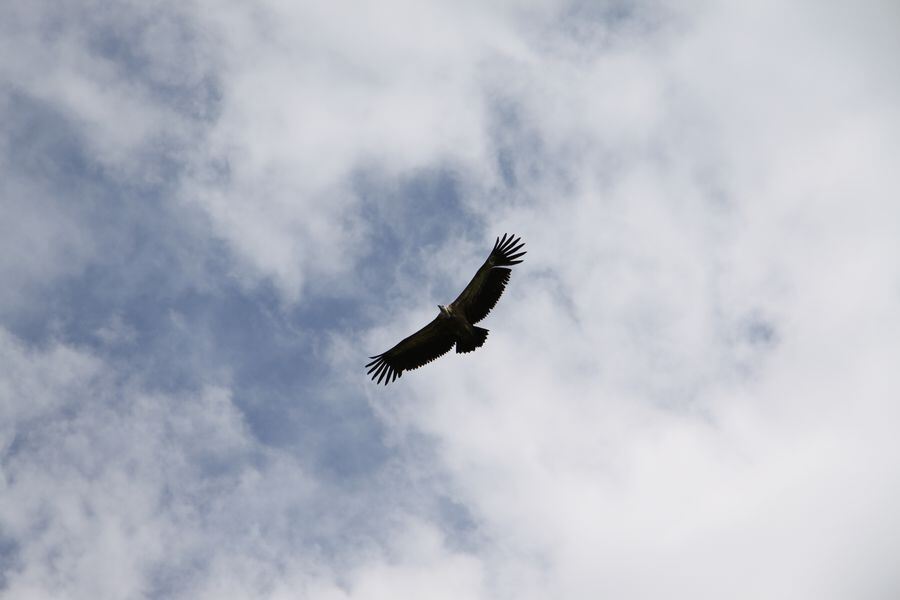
x: 454, y: 323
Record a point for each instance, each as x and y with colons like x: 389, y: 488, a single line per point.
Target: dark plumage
x: 454, y: 323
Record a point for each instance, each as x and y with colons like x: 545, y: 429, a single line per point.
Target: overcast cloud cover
x: 212, y: 212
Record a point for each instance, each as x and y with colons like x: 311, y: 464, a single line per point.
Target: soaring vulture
x: 454, y: 323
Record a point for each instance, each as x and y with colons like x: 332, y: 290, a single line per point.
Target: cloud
x: 113, y: 492
x: 214, y: 212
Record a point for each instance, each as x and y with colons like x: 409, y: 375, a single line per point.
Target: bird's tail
x: 476, y: 341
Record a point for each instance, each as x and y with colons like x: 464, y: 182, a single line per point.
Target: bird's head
x: 444, y: 310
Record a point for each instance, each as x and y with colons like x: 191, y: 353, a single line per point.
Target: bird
x: 454, y: 323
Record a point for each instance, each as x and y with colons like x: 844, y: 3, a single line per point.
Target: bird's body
x: 468, y: 337
x: 454, y: 324
x: 457, y: 321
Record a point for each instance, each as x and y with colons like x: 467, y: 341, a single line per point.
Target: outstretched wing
x: 482, y: 293
x: 422, y: 347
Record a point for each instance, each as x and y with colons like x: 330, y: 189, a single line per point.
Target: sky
x: 212, y: 213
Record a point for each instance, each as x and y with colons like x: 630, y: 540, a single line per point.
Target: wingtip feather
x: 510, y: 246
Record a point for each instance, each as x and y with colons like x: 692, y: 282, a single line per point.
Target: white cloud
x: 689, y: 384
x: 689, y: 387
x: 111, y: 492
